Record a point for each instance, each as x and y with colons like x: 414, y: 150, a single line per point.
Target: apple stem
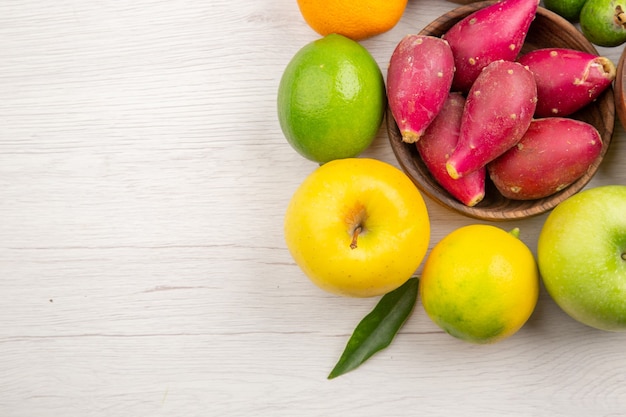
x: 355, y: 236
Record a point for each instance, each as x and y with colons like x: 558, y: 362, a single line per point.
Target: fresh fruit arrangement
x: 548, y: 30
x: 601, y: 21
x: 476, y: 107
x: 505, y: 89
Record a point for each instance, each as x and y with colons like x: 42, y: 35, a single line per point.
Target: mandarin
x: 355, y: 19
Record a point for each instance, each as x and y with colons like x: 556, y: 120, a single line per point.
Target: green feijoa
x: 603, y: 22
x: 569, y: 9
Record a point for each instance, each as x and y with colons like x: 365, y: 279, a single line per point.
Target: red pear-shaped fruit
x: 418, y: 81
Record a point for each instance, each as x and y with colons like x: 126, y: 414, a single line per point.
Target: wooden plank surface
x: 143, y: 272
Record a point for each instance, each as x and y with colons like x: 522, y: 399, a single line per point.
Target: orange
x: 480, y: 283
x: 355, y: 19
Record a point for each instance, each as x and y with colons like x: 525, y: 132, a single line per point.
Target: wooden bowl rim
x: 505, y: 209
x: 620, y: 89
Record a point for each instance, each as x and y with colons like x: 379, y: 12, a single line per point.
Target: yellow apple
x: 357, y: 227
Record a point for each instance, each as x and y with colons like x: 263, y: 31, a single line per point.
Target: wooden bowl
x: 620, y: 89
x: 547, y: 30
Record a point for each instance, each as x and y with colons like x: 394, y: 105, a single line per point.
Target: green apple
x: 581, y: 255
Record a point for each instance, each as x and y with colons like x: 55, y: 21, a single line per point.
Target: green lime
x: 602, y: 22
x: 569, y: 9
x: 331, y: 99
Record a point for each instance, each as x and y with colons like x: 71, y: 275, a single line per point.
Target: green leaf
x: 376, y: 331
x: 515, y: 232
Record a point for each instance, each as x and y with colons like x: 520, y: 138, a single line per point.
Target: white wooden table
x: 143, y: 272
